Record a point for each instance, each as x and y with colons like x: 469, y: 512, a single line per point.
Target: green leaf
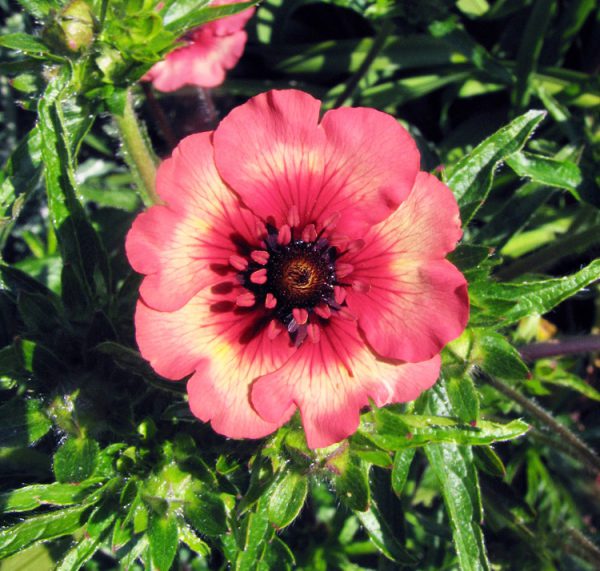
x: 24, y: 43
x: 187, y: 535
x: 498, y: 357
x: 286, y: 498
x: 22, y: 422
x: 463, y: 398
x: 534, y: 297
x: 383, y: 537
x: 394, y: 431
x: 454, y: 468
x: 76, y: 557
x: 56, y: 494
x: 182, y: 16
x: 18, y: 179
x: 164, y: 538
x: 547, y: 171
x: 76, y: 460
x: 38, y: 8
x: 473, y: 7
x: 206, y: 512
x: 252, y: 537
x: 40, y: 528
x: 402, y: 461
x: 352, y: 482
x: 471, y: 178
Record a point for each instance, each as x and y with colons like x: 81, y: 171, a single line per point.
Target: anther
x: 309, y: 234
x: 361, y: 286
x: 284, y: 236
x: 355, y: 246
x: 300, y: 315
x: 339, y: 294
x: 270, y: 301
x: 345, y: 313
x: 323, y: 310
x: 314, y: 332
x: 274, y: 329
x: 259, y: 276
x: 342, y: 269
x: 293, y: 217
x: 238, y: 262
x: 261, y: 229
x: 331, y: 221
x: 260, y: 256
x: 245, y: 299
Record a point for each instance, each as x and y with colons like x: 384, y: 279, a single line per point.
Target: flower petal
x: 416, y: 301
x: 330, y: 381
x: 227, y: 347
x: 359, y: 163
x: 185, y: 246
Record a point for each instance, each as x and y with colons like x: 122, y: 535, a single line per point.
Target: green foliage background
x: 102, y: 465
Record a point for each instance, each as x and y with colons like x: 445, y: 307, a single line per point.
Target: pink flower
x: 211, y: 50
x: 297, y: 264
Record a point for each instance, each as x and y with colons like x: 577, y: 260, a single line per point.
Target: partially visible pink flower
x: 211, y: 50
x: 297, y: 264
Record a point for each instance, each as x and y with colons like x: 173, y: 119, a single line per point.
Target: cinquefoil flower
x: 297, y: 264
x: 209, y: 52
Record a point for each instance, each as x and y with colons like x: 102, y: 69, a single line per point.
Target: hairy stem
x: 138, y: 152
x: 533, y: 409
x: 566, y: 346
x: 159, y: 116
x: 385, y: 30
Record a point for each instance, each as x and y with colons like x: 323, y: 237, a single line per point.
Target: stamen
x: 339, y: 294
x: 274, y: 329
x: 342, y: 269
x: 314, y: 332
x: 300, y: 315
x: 309, y: 234
x: 355, y: 246
x: 238, y: 262
x: 259, y: 276
x: 246, y: 299
x: 261, y: 229
x: 270, y: 301
x: 338, y: 241
x: 323, y: 310
x: 361, y: 286
x: 285, y: 235
x: 331, y: 222
x: 293, y: 217
x: 345, y: 313
x: 260, y: 256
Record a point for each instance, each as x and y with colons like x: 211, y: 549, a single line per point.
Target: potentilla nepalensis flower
x: 209, y: 52
x: 297, y: 264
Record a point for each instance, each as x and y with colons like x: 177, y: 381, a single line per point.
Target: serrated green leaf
x: 286, y: 498
x: 56, y: 494
x: 252, y: 537
x: 547, y: 171
x: 40, y: 528
x: 471, y: 178
x: 535, y: 297
x: 76, y: 460
x: 206, y: 512
x: 394, y: 431
x: 402, y: 462
x: 164, y: 538
x: 22, y: 422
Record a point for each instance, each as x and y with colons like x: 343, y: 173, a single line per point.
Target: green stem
x: 378, y: 44
x: 536, y: 411
x: 138, y: 152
